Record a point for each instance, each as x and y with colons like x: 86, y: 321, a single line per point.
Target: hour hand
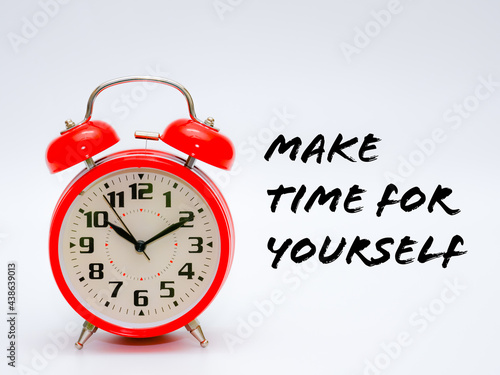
x: 169, y: 229
x: 122, y: 233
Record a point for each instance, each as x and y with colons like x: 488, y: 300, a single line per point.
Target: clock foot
x: 87, y: 331
x: 195, y: 329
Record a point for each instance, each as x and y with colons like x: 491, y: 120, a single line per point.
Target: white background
x: 411, y: 72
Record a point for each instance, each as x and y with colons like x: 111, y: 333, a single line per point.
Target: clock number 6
x: 139, y: 300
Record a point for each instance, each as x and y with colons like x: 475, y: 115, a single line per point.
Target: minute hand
x: 167, y: 230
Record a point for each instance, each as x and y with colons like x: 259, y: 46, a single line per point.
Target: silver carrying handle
x: 118, y: 81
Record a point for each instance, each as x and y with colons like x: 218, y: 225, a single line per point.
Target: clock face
x: 139, y: 247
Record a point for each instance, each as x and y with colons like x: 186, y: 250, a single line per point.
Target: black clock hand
x: 122, y: 233
x: 168, y: 230
x: 125, y: 233
x: 120, y: 219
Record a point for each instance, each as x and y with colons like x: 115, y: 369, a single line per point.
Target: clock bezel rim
x: 154, y: 159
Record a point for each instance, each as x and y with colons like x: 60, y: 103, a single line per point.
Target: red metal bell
x: 201, y: 142
x: 78, y: 144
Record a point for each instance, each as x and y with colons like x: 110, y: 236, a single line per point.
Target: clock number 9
x: 87, y: 243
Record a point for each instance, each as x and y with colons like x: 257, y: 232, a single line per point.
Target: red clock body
x: 140, y: 244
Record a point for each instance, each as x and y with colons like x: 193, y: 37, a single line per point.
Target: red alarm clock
x: 141, y: 241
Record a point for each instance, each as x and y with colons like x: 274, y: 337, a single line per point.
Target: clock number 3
x: 198, y: 245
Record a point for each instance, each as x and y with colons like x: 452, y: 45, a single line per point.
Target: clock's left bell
x: 79, y: 143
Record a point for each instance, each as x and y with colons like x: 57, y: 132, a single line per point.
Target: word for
x: 304, y: 249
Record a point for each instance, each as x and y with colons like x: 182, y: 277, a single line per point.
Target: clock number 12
x: 140, y: 193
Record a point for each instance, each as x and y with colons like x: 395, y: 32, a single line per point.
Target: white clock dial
x: 139, y: 248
